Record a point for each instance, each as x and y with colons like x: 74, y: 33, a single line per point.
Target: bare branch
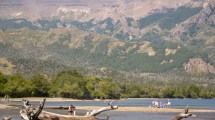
x: 96, y: 112
x: 185, y: 114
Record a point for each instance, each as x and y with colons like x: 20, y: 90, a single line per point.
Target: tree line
x: 73, y: 84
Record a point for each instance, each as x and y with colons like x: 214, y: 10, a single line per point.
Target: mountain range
x: 169, y: 39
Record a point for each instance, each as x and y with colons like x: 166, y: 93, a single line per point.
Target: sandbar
x: 127, y: 109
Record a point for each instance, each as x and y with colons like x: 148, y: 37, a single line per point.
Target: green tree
x: 69, y: 84
x: 102, y: 88
x: 134, y: 90
x: 40, y: 86
x: 17, y: 86
x: 167, y: 92
x: 179, y: 92
x: 193, y: 91
x: 3, y: 81
x: 92, y: 86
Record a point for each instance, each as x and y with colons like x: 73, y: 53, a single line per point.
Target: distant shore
x: 47, y: 99
x: 67, y: 99
x: 70, y: 99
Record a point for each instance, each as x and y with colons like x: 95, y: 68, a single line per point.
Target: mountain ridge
x: 97, y: 9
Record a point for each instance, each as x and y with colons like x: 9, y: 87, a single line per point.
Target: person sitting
x: 71, y: 110
x: 161, y: 105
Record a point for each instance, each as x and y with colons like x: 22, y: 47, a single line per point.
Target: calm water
x: 176, y: 103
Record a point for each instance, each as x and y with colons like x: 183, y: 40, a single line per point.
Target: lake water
x: 116, y: 115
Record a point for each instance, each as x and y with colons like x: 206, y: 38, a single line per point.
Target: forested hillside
x: 141, y: 43
x: 77, y: 48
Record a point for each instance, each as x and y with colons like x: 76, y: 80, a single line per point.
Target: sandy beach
x: 130, y: 109
x: 4, y: 106
x: 144, y: 109
x: 127, y: 109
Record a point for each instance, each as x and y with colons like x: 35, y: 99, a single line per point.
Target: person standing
x: 168, y: 103
x: 71, y: 110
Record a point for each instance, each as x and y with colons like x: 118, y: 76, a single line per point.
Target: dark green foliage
x: 109, y: 24
x: 120, y: 36
x: 173, y: 17
x: 24, y: 23
x: 154, y: 37
x: 143, y: 62
x: 72, y: 84
x: 146, y: 21
x: 17, y: 86
x: 40, y: 86
x: 167, y: 92
x: 47, y: 24
x: 31, y: 66
x: 129, y: 20
x: 15, y: 24
x: 83, y: 25
x: 3, y: 81
x: 90, y: 54
x: 69, y: 84
x: 109, y: 27
x: 170, y: 18
x: 102, y: 88
x: 192, y: 28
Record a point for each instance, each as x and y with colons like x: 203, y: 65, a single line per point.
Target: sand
x: 129, y: 109
x: 144, y: 109
x: 132, y: 109
x: 4, y: 106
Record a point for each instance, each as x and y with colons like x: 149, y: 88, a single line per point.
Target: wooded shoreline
x: 59, y: 99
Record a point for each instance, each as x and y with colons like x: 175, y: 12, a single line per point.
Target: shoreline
x: 126, y: 109
x: 35, y: 99
x: 145, y: 109
x: 123, y: 109
x: 130, y: 109
x: 5, y: 106
x: 38, y: 99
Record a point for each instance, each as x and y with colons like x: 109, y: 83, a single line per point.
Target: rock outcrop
x: 198, y: 66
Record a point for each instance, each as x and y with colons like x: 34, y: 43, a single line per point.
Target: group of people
x: 157, y: 104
